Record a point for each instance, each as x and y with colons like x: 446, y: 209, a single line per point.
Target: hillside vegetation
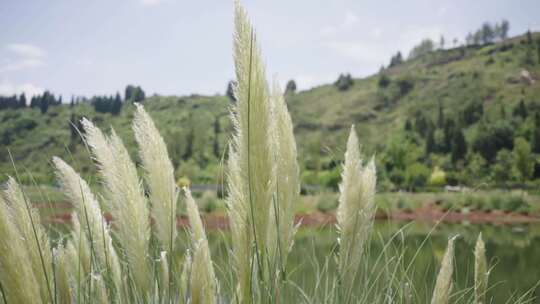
x: 465, y: 115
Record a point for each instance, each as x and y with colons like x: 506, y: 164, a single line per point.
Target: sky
x: 181, y: 47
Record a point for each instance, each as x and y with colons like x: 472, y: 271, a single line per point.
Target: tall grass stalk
x: 355, y: 212
x: 90, y: 218
x: 443, y: 284
x: 126, y: 200
x: 27, y: 220
x: 17, y: 276
x: 203, y: 283
x: 481, y: 272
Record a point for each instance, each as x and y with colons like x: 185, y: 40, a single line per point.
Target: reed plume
x: 27, y: 220
x: 238, y: 211
x: 251, y: 120
x: 126, y: 201
x: 17, y: 276
x: 159, y: 176
x: 287, y: 181
x: 203, y: 284
x: 443, y: 285
x: 89, y: 215
x: 355, y: 211
x: 481, y: 272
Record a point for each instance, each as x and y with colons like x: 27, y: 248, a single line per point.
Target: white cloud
x: 10, y: 89
x: 150, y: 2
x: 17, y: 65
x: 25, y: 50
x: 22, y: 56
x: 442, y: 11
x: 349, y: 21
x: 360, y: 51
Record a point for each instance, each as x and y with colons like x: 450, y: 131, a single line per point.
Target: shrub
x: 344, y: 82
x: 326, y: 202
x: 437, y: 178
x: 416, y: 176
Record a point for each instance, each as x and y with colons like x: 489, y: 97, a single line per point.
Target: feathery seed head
x: 443, y: 285
x: 159, y: 176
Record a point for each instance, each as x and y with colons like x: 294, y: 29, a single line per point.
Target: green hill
x: 478, y: 89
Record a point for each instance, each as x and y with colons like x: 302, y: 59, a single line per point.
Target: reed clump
x: 133, y: 261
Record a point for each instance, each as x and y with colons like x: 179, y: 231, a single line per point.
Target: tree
x: 492, y: 138
x: 344, y: 82
x: 535, y: 140
x: 384, y: 80
x: 503, y: 169
x: 487, y: 33
x: 116, y: 106
x: 449, y: 130
x: 22, y: 101
x: 134, y: 93
x: 529, y: 37
x: 505, y: 27
x: 291, y: 87
x: 538, y: 49
x: 473, y: 112
x: 424, y: 47
x: 396, y: 59
x: 441, y: 42
x: 408, y: 126
x: 469, y: 39
x: 520, y: 110
x: 459, y: 146
x: 430, y: 142
x: 523, y: 158
x: 217, y: 130
x: 440, y: 117
x: 230, y: 90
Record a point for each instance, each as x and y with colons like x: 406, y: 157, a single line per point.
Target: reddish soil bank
x: 428, y: 213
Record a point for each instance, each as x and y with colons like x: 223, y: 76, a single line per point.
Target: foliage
x: 344, y: 82
x: 134, y: 94
x: 492, y: 138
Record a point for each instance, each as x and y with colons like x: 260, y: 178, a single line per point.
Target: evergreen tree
x: 520, y: 110
x: 408, y: 125
x: 291, y: 87
x: 449, y: 130
x: 384, y: 80
x: 535, y: 140
x: 217, y: 130
x: 529, y: 37
x: 344, y: 82
x: 487, y: 33
x: 134, y: 94
x: 440, y: 118
x: 505, y: 27
x: 116, y: 106
x: 22, y: 101
x: 459, y: 146
x: 523, y: 158
x: 396, y: 59
x: 430, y: 141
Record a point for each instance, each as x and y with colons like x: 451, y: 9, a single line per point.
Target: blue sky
x: 181, y: 47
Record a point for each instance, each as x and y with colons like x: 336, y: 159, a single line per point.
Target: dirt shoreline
x: 428, y: 213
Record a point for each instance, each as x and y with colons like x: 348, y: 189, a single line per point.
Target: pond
x: 513, y: 252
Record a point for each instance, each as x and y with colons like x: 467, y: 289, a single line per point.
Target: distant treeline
x: 102, y: 104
